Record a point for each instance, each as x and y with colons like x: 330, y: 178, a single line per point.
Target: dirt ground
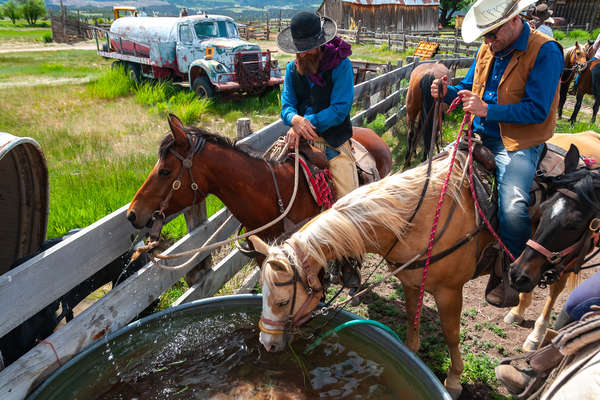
x: 484, y: 333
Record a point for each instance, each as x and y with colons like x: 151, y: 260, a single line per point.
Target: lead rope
x: 466, y: 120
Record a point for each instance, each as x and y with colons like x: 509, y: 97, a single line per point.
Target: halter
x: 158, y: 216
x: 312, y: 287
x: 555, y: 258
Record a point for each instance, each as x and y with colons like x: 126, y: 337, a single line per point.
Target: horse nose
x: 131, y: 216
x: 520, y: 281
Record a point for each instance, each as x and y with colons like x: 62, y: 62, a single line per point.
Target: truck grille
x: 251, y: 72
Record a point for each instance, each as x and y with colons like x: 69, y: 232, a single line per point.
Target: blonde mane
x: 348, y: 228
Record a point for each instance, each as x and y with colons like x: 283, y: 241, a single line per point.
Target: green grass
x: 22, y: 32
x: 113, y: 83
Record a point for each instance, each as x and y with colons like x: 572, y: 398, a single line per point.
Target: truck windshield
x: 225, y: 29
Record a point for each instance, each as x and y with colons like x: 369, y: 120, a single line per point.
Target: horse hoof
x: 530, y: 345
x: 512, y: 318
x: 454, y: 391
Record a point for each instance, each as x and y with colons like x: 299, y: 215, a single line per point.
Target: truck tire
x: 134, y: 71
x: 203, y: 87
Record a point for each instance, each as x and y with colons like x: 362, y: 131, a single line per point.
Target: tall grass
x: 113, y: 83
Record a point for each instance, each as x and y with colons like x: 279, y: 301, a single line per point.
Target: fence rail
x: 36, y: 283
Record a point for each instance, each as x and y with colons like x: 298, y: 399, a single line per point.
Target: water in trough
x: 211, y: 351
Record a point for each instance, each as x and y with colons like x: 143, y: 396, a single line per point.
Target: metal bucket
x: 89, y: 373
x: 23, y: 198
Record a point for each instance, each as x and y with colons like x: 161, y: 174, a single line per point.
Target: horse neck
x: 239, y: 181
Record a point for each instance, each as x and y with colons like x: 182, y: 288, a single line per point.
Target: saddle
x: 545, y: 364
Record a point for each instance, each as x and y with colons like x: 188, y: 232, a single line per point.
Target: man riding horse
x: 317, y: 96
x: 512, y: 90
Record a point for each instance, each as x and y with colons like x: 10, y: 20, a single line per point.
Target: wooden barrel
x: 23, y: 198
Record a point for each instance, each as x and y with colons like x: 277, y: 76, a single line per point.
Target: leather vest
x: 319, y: 98
x: 511, y: 90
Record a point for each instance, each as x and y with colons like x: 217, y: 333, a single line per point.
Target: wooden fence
x: 39, y: 281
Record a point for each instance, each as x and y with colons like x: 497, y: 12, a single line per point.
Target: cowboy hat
x: 306, y: 32
x: 549, y: 20
x: 486, y: 15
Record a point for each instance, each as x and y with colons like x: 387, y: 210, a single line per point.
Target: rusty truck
x: 204, y: 51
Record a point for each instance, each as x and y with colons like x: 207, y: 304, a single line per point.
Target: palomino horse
x: 243, y: 181
x: 569, y: 227
x: 590, y: 142
x: 369, y: 220
x: 374, y: 219
x: 419, y: 104
x: 575, y: 62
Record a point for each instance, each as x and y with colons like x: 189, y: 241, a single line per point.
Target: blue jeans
x: 515, y: 171
x: 583, y: 297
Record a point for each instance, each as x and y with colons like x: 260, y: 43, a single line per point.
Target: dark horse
x: 569, y: 227
x: 589, y: 83
x: 419, y: 104
x: 243, y: 181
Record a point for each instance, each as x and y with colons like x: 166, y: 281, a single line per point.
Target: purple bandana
x: 334, y: 52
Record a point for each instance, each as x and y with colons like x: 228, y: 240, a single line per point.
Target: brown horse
x: 589, y: 83
x: 575, y: 62
x: 419, y: 104
x: 240, y: 179
x: 370, y: 219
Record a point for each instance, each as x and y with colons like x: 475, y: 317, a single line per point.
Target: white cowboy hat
x: 486, y: 15
x: 549, y: 20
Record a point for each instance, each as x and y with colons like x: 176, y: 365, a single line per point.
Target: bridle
x: 158, y: 216
x: 312, y: 287
x: 588, y: 240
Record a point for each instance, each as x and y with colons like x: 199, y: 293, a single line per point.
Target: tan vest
x: 511, y: 90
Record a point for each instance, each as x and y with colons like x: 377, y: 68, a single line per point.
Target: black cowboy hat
x: 306, y: 31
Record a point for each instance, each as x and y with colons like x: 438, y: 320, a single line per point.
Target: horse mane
x: 169, y: 140
x: 348, y: 228
x: 584, y: 182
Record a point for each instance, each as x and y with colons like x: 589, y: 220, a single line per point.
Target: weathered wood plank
x: 214, y: 278
x: 33, y: 285
x: 262, y: 139
x: 111, y: 312
x: 250, y: 282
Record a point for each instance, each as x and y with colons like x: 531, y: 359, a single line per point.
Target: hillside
x: 239, y: 9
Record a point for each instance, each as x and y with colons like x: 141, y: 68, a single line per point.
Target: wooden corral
x: 32, y: 285
x: 577, y: 12
x: 68, y: 29
x: 383, y: 15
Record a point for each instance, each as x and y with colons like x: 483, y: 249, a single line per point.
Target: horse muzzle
x: 520, y: 278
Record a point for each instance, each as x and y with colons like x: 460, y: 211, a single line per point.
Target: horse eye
x: 284, y: 303
x: 164, y: 172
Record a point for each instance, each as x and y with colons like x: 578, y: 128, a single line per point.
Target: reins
x: 159, y: 216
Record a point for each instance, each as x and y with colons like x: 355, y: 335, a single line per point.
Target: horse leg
x: 411, y: 294
x: 449, y: 304
x: 541, y: 324
x: 410, y: 143
x: 577, y: 107
x: 564, y: 87
x: 515, y: 315
x: 595, y: 108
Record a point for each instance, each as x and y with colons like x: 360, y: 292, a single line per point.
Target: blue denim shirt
x: 539, y: 89
x: 342, y: 96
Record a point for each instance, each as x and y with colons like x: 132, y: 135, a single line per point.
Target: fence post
x: 389, y: 41
x: 358, y: 33
x: 267, y: 32
x: 194, y: 217
x: 279, y: 29
x: 243, y: 128
x: 587, y: 26
x: 403, y: 42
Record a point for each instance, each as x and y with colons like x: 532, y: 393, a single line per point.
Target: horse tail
x: 426, y: 111
x: 573, y: 281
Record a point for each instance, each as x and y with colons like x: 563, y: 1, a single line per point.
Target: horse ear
x: 277, y: 265
x: 571, y: 159
x: 259, y: 245
x: 177, y: 129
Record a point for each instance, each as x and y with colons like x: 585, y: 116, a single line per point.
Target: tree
x: 10, y: 9
x: 32, y: 10
x: 449, y: 7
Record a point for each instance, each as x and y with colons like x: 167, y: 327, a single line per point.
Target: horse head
x: 568, y: 229
x: 171, y: 186
x: 291, y: 288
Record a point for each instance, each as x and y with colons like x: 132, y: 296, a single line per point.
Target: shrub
x: 151, y: 93
x: 578, y: 34
x: 47, y: 37
x: 378, y: 124
x: 595, y: 34
x: 559, y: 35
x: 113, y: 83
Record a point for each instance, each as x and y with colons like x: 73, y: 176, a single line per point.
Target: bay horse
x: 243, y: 180
x: 589, y: 83
x: 419, y: 104
x: 369, y: 220
x: 569, y: 227
x: 575, y: 62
